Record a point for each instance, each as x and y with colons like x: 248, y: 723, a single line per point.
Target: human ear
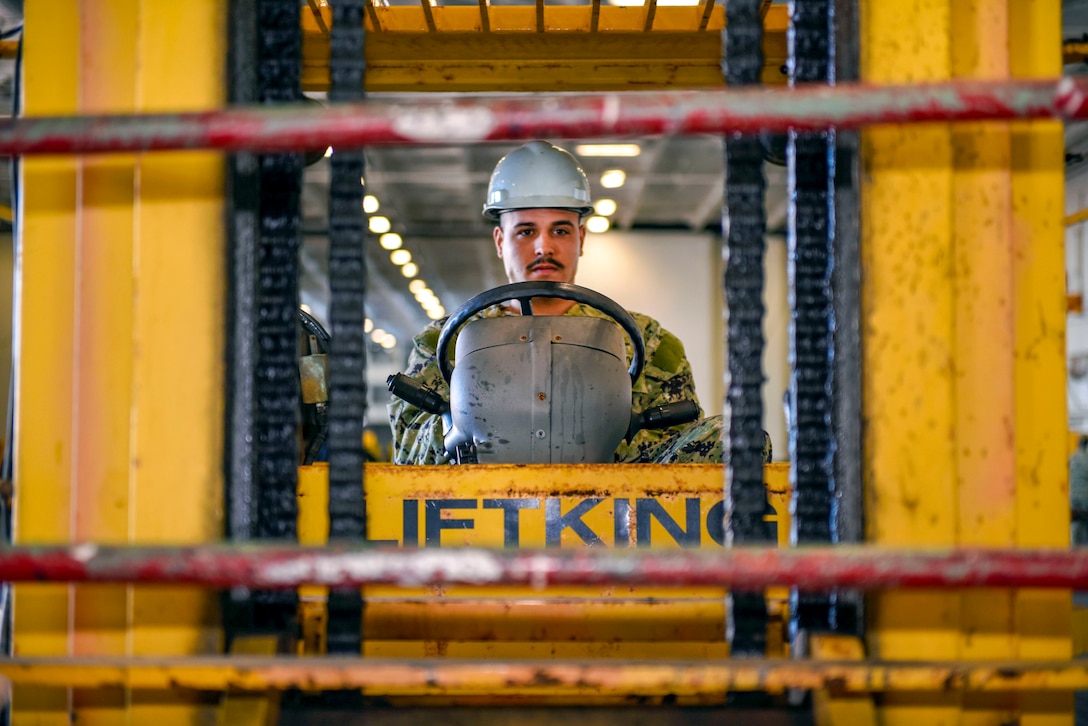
x: 497, y: 234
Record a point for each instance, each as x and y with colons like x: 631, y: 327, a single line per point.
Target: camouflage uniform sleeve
x: 418, y: 435
x: 666, y: 378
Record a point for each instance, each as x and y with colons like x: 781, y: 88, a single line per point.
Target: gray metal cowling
x: 565, y: 375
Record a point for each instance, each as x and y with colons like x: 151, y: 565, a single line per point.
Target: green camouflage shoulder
x: 666, y: 378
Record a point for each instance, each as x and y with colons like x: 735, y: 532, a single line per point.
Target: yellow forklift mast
x: 118, y: 395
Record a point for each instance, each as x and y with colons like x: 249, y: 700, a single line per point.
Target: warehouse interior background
x: 659, y: 251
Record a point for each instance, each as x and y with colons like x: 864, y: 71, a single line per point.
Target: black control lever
x: 411, y: 391
x: 662, y: 417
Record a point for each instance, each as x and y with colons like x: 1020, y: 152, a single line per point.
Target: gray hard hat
x: 537, y: 175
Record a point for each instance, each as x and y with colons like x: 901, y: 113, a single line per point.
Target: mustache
x: 545, y: 260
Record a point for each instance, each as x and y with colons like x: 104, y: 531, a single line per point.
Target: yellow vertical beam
x: 118, y: 404
x: 908, y: 340
x: 43, y: 341
x: 176, y: 431
x: 104, y: 343
x: 985, y: 412
x: 1044, y: 619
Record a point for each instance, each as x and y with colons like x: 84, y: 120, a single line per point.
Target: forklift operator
x: 539, y: 198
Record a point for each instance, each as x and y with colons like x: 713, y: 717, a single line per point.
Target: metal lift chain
x: 276, y: 387
x: 810, y: 236
x: 347, y: 359
x: 744, y: 225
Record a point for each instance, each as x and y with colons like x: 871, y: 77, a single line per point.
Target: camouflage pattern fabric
x: 666, y: 378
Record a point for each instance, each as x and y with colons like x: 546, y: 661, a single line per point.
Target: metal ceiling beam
x: 456, y: 49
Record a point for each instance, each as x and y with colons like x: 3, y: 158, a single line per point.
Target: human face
x: 539, y: 244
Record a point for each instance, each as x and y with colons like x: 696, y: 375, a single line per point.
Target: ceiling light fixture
x: 598, y: 225
x: 605, y: 207
x: 370, y: 204
x: 613, y: 178
x: 368, y: 325
x: 436, y: 313
x: 410, y: 270
x: 390, y: 241
x: 624, y: 150
x: 416, y: 286
x: 380, y: 225
x: 400, y: 257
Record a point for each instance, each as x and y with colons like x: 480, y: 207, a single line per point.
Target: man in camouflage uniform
x: 539, y: 197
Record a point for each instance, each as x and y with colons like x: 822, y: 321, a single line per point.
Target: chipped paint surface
x: 424, y: 567
x: 813, y: 568
x: 544, y: 679
x: 577, y: 116
x: 447, y: 123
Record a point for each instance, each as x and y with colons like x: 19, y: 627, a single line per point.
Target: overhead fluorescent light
x: 598, y: 225
x: 613, y: 179
x: 605, y: 207
x: 626, y: 150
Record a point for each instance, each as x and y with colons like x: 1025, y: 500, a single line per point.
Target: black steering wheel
x: 524, y: 292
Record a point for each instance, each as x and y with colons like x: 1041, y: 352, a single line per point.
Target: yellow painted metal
x: 103, y: 343
x: 964, y: 313
x: 251, y: 709
x: 417, y: 506
x: 44, y: 341
x: 1043, y: 619
x: 551, y: 680
x: 984, y: 334
x: 313, y: 529
x: 176, y: 466
x: 118, y: 405
x: 404, y: 53
x: 1074, y: 51
x: 1076, y: 218
x: 830, y: 706
x: 910, y: 310
x: 908, y: 342
x: 1080, y: 631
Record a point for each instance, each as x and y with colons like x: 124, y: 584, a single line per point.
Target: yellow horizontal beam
x: 405, y: 54
x: 439, y: 677
x: 1076, y: 218
x: 566, y: 620
x: 1074, y: 51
